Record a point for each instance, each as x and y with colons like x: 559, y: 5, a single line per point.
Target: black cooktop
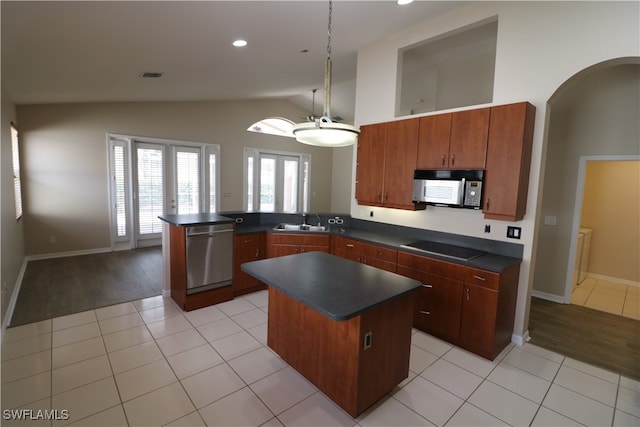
x: 445, y: 250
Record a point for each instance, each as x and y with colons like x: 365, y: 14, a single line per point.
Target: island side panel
x: 386, y: 363
x: 331, y: 353
x: 178, y: 266
x: 322, y: 350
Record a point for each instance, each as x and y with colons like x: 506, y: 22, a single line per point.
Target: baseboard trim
x: 520, y: 340
x: 613, y: 279
x: 14, y: 298
x: 549, y: 297
x: 68, y: 254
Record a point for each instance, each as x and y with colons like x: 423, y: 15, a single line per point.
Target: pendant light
x: 323, y: 131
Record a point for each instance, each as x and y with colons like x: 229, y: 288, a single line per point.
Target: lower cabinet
x: 471, y: 308
x: 246, y: 248
x: 366, y: 253
x: 291, y: 243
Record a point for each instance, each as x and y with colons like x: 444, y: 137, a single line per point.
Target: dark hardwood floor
x: 60, y: 286
x: 601, y: 339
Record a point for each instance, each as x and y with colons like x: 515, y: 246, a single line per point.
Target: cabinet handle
x: 479, y: 278
x: 468, y: 296
x: 386, y: 196
x: 248, y: 241
x: 380, y: 195
x: 425, y: 312
x: 257, y: 253
x: 350, y: 245
x: 426, y: 285
x: 444, y: 159
x: 453, y: 159
x: 488, y: 202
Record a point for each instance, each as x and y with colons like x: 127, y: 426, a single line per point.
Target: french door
x: 166, y: 178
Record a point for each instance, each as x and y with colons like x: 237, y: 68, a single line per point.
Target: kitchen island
x: 344, y: 326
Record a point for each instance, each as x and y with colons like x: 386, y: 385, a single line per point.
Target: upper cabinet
x: 386, y: 161
x: 454, y: 140
x: 506, y: 181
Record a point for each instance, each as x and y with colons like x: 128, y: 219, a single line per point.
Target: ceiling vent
x: 149, y: 75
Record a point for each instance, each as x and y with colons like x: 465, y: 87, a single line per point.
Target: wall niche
x: 453, y: 70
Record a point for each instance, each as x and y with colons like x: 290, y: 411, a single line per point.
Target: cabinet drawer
x: 430, y: 265
x: 380, y: 252
x: 484, y: 278
x: 299, y: 239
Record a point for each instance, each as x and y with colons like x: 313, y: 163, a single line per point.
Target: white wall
x: 540, y: 45
x: 12, y: 248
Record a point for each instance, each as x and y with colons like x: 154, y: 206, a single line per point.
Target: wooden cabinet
x: 453, y: 140
x: 438, y: 304
x: 469, y: 307
x: 488, y: 310
x: 246, y: 248
x: 365, y: 253
x: 506, y: 182
x: 294, y: 243
x: 386, y: 160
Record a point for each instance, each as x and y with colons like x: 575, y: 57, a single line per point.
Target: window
x: 276, y: 181
x: 17, y: 185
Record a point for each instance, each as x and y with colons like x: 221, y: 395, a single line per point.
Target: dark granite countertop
x: 186, y: 220
x: 488, y: 261
x: 336, y: 287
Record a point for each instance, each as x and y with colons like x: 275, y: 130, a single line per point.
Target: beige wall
x: 595, y: 115
x: 65, y: 160
x: 611, y: 208
x: 12, y: 249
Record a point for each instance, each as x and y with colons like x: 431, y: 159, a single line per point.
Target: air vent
x: 149, y: 75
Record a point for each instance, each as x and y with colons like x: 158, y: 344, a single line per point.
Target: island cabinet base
x: 332, y: 355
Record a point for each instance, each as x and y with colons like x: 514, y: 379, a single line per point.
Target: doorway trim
x: 577, y: 212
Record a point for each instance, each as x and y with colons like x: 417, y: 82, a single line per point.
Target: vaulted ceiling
x: 96, y: 51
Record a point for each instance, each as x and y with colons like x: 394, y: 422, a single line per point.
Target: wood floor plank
x: 601, y: 339
x: 60, y: 286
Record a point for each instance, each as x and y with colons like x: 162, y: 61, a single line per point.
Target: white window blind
x: 188, y: 181
x: 150, y: 189
x: 120, y: 190
x: 17, y: 184
x: 213, y: 190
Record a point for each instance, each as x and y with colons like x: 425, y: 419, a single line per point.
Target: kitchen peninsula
x: 343, y: 325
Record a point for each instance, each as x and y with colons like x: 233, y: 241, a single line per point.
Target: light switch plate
x: 514, y: 232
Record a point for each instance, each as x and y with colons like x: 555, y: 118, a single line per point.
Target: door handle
x: 425, y: 312
x: 468, y: 294
x: 426, y: 285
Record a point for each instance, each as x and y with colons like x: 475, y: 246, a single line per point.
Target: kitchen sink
x: 299, y: 227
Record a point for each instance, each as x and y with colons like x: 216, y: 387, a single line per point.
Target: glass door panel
x: 268, y: 183
x: 187, y: 173
x: 150, y: 185
x: 289, y: 184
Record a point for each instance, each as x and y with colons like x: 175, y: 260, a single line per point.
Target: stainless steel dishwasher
x: 209, y: 257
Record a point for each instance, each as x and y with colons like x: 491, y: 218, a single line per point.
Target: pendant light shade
x: 323, y: 131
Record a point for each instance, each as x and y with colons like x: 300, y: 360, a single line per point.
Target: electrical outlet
x: 514, y: 232
x: 52, y: 239
x: 550, y: 220
x: 371, y: 214
x: 487, y: 228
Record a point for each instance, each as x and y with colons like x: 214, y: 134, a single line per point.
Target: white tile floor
x: 149, y: 363
x: 614, y: 298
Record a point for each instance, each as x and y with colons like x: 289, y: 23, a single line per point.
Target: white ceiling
x: 86, y: 51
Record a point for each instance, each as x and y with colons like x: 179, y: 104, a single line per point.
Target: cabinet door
x: 278, y: 249
x: 370, y: 164
x: 246, y: 248
x: 401, y: 149
x: 433, y: 142
x: 437, y: 305
x: 478, y: 325
x: 468, y: 145
x: 347, y: 248
x: 506, y: 181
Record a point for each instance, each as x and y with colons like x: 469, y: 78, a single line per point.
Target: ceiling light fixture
x: 323, y: 131
x: 403, y: 2
x: 240, y: 43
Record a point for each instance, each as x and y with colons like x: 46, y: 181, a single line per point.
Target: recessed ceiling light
x: 403, y: 2
x: 240, y: 43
